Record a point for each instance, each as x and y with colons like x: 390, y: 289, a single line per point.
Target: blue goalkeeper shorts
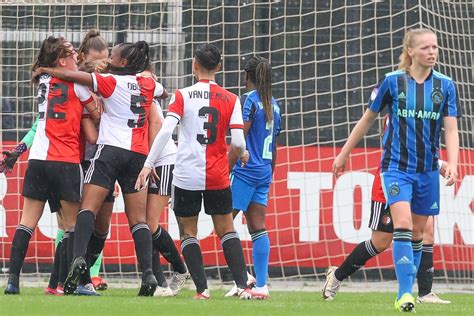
x: 421, y: 190
x: 243, y: 194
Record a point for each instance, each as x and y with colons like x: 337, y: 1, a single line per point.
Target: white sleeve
x: 236, y: 120
x: 159, y: 89
x: 82, y: 93
x: 161, y: 140
x: 160, y: 110
x: 238, y: 140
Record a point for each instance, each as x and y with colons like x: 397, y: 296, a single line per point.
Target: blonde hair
x: 408, y: 39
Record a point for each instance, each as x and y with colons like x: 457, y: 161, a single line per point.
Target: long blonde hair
x: 408, y: 39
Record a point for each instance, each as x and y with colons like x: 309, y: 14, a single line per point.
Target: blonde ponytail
x: 408, y: 39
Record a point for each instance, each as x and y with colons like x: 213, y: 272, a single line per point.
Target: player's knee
x: 382, y: 242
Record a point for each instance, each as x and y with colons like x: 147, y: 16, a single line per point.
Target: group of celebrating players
x: 119, y: 94
x: 79, y: 92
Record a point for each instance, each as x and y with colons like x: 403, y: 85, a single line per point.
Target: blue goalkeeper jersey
x: 260, y: 140
x: 416, y: 112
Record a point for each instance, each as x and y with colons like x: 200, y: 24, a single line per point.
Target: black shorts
x: 112, y: 164
x: 54, y: 203
x: 380, y: 218
x: 186, y: 203
x: 110, y: 197
x: 162, y: 186
x: 43, y: 179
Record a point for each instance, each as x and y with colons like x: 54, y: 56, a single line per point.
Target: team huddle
x: 100, y: 122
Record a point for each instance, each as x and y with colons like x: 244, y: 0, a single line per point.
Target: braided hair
x: 259, y: 71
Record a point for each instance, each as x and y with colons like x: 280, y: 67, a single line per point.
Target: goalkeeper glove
x: 10, y: 158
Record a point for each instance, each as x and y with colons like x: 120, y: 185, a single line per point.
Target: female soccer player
x: 159, y: 193
x: 419, y: 100
x: 382, y: 232
x: 93, y: 50
x: 206, y: 111
x: 250, y: 185
x: 55, y: 150
x: 122, y: 150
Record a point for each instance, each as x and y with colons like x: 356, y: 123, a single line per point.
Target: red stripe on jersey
x: 177, y: 104
x: 87, y: 101
x: 63, y: 122
x: 377, y: 190
x: 105, y: 84
x: 217, y: 173
x: 140, y: 133
x: 236, y: 126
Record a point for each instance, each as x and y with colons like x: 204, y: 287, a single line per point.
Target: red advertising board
x: 313, y: 219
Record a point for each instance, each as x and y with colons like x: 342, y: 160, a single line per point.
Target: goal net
x: 326, y: 58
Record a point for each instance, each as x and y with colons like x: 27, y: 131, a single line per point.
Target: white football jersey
x: 127, y: 100
x: 205, y: 111
x: 168, y: 155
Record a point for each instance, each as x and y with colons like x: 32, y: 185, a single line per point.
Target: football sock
x: 356, y: 259
x: 403, y: 260
x: 59, y: 237
x: 54, y: 277
x: 261, y: 254
x: 63, y: 267
x: 193, y: 257
x: 234, y: 256
x: 426, y: 271
x: 70, y: 247
x: 143, y: 247
x: 94, y: 251
x: 157, y: 271
x: 417, y: 246
x: 20, y: 244
x: 95, y: 268
x: 84, y: 227
x: 163, y: 242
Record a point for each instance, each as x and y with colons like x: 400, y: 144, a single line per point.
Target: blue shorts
x: 243, y: 194
x: 421, y: 190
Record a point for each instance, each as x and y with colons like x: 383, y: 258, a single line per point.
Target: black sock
x: 94, y: 248
x: 70, y: 247
x: 193, y: 257
x: 54, y: 277
x: 163, y: 242
x: 84, y: 228
x: 157, y: 271
x: 20, y: 244
x: 426, y: 271
x: 356, y: 259
x: 143, y: 247
x: 63, y: 267
x: 234, y: 255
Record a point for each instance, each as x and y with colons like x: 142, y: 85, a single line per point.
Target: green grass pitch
x: 32, y: 301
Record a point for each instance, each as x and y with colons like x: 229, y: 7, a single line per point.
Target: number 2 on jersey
x: 210, y: 126
x: 267, y: 144
x: 57, y: 99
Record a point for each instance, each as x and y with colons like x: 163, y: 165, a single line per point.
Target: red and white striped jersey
x: 127, y: 100
x: 205, y: 111
x: 60, y: 107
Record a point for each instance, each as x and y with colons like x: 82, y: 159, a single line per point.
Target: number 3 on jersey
x: 210, y: 126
